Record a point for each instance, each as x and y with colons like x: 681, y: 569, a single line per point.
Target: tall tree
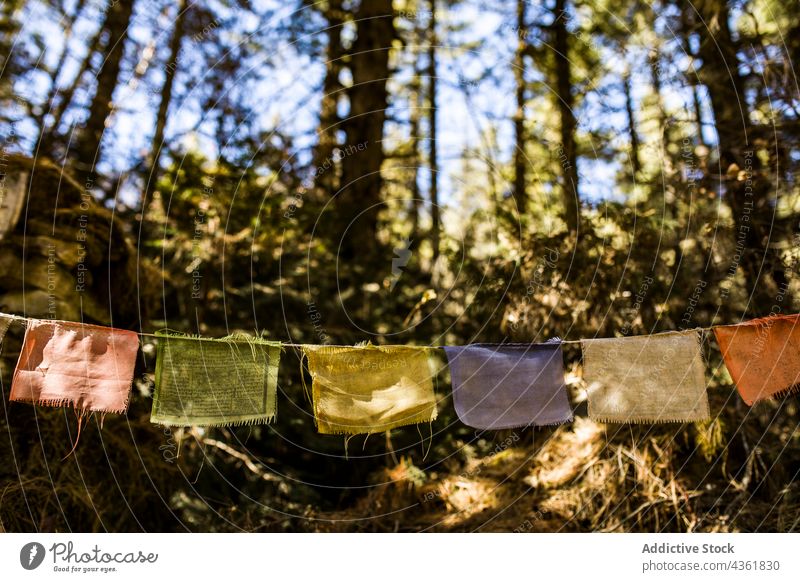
x: 654, y: 65
x: 749, y: 199
x: 633, y: 135
x: 334, y: 15
x: 360, y: 197
x: 520, y: 195
x: 698, y: 115
x: 568, y: 154
x: 115, y: 27
x: 165, y: 97
x: 432, y: 123
x: 416, y: 101
x: 720, y: 73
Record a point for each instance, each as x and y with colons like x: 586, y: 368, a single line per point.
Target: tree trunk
x: 325, y: 177
x: 749, y: 202
x: 116, y: 24
x: 520, y: 195
x: 719, y: 72
x: 360, y: 197
x: 433, y: 153
x: 698, y: 115
x: 568, y: 156
x: 156, y: 146
x: 689, y: 49
x: 636, y: 164
x: 654, y: 62
x: 416, y: 102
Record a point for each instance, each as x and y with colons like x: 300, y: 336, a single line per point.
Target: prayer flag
x: 86, y: 366
x: 656, y: 378
x: 370, y: 389
x: 762, y: 356
x: 509, y: 386
x: 215, y: 382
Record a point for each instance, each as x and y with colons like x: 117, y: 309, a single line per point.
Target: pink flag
x: 73, y: 364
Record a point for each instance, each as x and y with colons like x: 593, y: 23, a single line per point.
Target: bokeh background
x: 421, y: 172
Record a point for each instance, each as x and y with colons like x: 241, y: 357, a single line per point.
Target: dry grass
x: 593, y: 477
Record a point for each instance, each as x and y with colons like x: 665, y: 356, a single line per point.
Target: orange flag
x: 762, y: 356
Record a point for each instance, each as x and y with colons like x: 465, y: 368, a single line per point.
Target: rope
x: 302, y: 345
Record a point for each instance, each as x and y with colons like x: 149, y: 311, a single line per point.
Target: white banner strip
x: 399, y: 557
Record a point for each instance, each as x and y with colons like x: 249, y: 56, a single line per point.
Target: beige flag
x: 657, y: 378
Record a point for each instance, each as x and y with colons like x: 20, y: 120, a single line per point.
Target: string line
x: 301, y: 345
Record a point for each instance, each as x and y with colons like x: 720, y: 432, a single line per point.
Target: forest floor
x: 585, y: 477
